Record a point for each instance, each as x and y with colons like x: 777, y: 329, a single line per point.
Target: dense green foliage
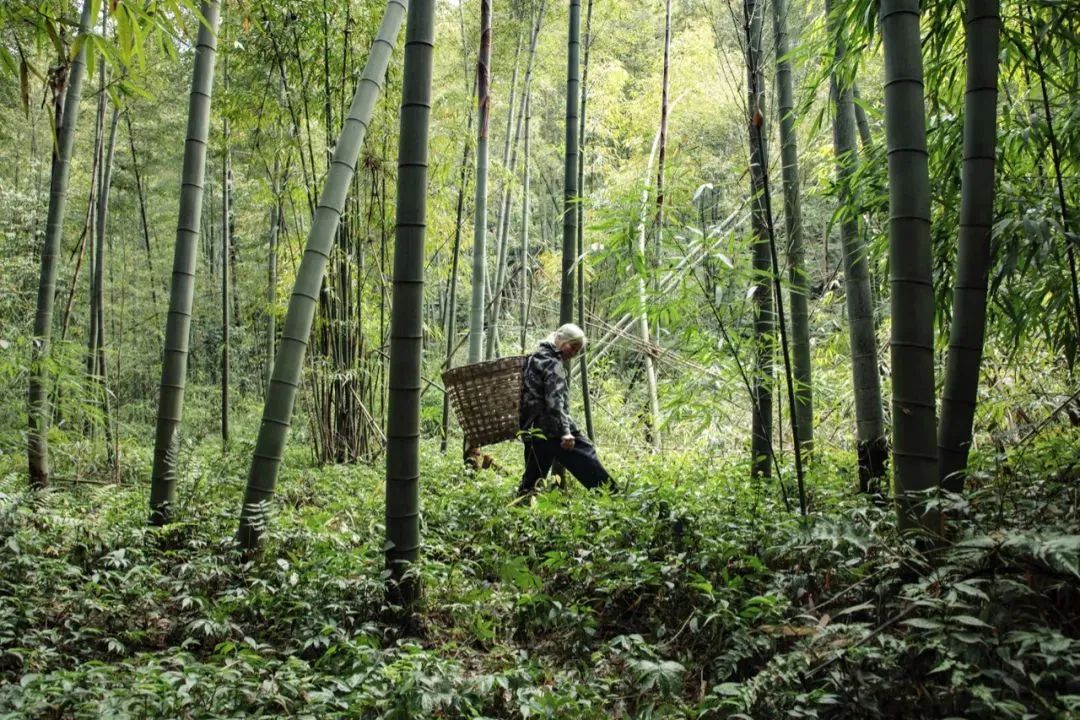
x: 690, y: 595
x: 696, y: 592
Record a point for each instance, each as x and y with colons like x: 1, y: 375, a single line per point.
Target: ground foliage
x: 690, y: 594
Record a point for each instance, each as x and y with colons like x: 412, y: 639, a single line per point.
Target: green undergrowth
x: 693, y: 593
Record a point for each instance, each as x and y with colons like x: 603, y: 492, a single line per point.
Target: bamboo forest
x: 575, y: 359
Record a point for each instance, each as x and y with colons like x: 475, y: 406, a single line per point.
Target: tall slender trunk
x: 910, y: 264
x: 95, y: 230
x: 570, y: 188
x: 85, y: 238
x: 662, y: 157
x: 648, y: 356
x: 583, y: 356
x: 272, y: 279
x: 1055, y: 157
x: 66, y: 104
x: 506, y: 201
x: 982, y: 22
x: 182, y: 290
x: 764, y: 317
x: 450, y: 326
x: 658, y: 233
x: 491, y: 339
x: 479, y: 268
x: 226, y: 244
x: 778, y: 297
x: 143, y: 216
x: 406, y: 326
x: 289, y: 361
x: 872, y: 445
x: 208, y: 231
x: 181, y: 293
x: 100, y: 374
x: 797, y: 275
x: 525, y: 265
x: 865, y: 138
x: 652, y: 426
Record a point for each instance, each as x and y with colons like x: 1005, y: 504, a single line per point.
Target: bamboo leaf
x: 8, y: 60
x: 50, y: 30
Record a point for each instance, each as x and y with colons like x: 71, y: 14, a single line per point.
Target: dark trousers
x: 581, y: 461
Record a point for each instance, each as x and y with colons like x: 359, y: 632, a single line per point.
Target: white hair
x: 568, y: 333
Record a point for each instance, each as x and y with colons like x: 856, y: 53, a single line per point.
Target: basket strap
x: 524, y: 371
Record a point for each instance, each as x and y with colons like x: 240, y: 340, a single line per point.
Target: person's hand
x: 567, y: 442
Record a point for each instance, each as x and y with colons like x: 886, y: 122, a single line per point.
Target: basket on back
x: 486, y: 398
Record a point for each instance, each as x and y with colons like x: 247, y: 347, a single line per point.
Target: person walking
x: 546, y: 427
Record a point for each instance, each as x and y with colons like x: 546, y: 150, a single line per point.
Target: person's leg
x: 538, y: 458
x: 583, y: 463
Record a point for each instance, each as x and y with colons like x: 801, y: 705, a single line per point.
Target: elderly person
x: 547, y: 429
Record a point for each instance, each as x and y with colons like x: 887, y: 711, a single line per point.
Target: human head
x: 569, y: 339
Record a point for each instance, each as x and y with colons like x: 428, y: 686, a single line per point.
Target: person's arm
x: 557, y: 399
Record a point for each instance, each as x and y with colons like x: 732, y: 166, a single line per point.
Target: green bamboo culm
x: 570, y: 186
x: 982, y: 22
x: 67, y: 115
x: 798, y: 278
x: 491, y: 339
x: 503, y: 239
x: 764, y: 312
x: 583, y: 358
x: 915, y: 457
x: 872, y: 445
x: 406, y: 321
x: 861, y: 121
x: 525, y: 264
x: 289, y: 360
x: 185, y: 254
x: 479, y: 267
x: 226, y: 252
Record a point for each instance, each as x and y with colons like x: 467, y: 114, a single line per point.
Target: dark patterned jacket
x: 545, y: 397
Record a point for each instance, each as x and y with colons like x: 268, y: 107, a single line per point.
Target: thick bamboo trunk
x: 797, y: 275
x: 66, y: 103
x: 289, y: 361
x: 872, y: 445
x: 915, y: 457
x: 182, y: 290
x: 406, y: 325
x: 982, y: 22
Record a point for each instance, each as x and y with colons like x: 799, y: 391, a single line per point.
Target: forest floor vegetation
x: 691, y: 594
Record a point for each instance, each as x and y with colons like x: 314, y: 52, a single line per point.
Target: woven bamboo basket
x: 486, y: 398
